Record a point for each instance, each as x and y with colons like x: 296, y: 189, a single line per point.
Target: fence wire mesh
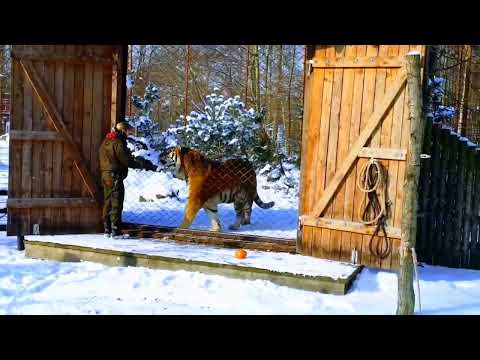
x: 157, y: 198
x: 454, y: 95
x: 242, y: 102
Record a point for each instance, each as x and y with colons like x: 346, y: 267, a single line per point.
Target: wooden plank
x: 52, y: 57
x: 87, y: 124
x: 358, y: 122
x: 62, y: 169
x: 322, y: 238
x: 217, y: 241
x: 379, y: 93
x: 344, y: 225
x: 370, y: 127
x: 167, y: 231
x: 467, y: 226
x: 476, y: 207
x: 37, y: 150
x: 313, y: 138
x: 383, y: 153
x: 27, y: 153
x: 317, y: 133
x: 367, y: 109
x: 335, y: 144
x: 107, y: 100
x: 37, y: 135
x: 439, y: 213
x: 77, y: 133
x: 359, y: 62
x: 425, y: 190
x: 21, y: 203
x: 75, y: 253
x: 47, y: 165
x: 386, y: 139
x: 57, y: 120
x: 343, y: 147
x: 402, y: 133
x: 445, y: 257
x: 460, y: 204
x: 398, y: 140
x: 97, y: 133
x: 306, y: 145
x: 15, y: 148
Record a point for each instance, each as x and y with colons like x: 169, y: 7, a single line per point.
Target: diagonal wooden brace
x: 373, y: 122
x: 57, y: 120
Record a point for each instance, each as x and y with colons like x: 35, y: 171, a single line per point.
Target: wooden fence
x: 449, y: 200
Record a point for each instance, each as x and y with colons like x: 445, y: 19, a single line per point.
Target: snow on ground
x: 279, y: 221
x: 279, y: 262
x: 30, y: 286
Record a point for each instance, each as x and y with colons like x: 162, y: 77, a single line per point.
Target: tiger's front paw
x: 184, y: 226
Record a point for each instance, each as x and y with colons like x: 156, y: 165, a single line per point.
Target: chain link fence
x: 453, y: 95
x: 242, y: 102
x: 157, y: 198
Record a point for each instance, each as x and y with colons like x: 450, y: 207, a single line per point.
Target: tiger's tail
x: 263, y: 205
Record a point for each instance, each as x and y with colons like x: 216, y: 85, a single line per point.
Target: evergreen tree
x: 224, y: 130
x: 142, y: 121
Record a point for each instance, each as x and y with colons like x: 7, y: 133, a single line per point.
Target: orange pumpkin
x: 240, y: 254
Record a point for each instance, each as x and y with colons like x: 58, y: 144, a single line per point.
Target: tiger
x: 213, y: 182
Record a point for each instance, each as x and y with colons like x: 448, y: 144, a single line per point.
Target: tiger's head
x: 183, y: 162
x: 171, y: 160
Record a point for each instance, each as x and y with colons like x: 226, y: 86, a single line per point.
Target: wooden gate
x: 64, y: 100
x: 355, y: 108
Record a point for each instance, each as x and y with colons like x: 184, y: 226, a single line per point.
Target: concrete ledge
x: 75, y: 253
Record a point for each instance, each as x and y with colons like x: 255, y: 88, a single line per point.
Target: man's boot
x: 116, y: 233
x: 107, y: 230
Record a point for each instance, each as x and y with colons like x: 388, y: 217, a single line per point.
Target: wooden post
x: 20, y: 243
x: 406, y: 295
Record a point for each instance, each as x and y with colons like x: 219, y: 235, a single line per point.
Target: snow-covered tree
x: 435, y: 110
x: 142, y: 121
x: 224, y: 129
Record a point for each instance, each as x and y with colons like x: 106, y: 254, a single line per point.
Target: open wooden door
x: 355, y: 108
x: 64, y: 99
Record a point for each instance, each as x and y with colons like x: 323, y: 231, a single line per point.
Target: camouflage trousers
x: 113, y: 195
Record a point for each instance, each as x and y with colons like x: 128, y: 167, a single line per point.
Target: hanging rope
x: 373, y: 208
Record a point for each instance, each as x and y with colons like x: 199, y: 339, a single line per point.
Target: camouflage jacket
x: 115, y: 156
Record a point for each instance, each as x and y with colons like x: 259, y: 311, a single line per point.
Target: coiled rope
x: 373, y: 209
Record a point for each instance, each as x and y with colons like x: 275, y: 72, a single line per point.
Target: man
x: 115, y: 159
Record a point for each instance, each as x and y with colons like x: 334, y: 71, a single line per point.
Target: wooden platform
x: 230, y: 240
x: 285, y: 269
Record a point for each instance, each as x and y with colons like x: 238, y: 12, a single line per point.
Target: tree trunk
x: 257, y: 70
x: 289, y: 129
x: 278, y: 98
x: 267, y: 69
x: 187, y: 73
x: 406, y: 295
x: 465, y: 91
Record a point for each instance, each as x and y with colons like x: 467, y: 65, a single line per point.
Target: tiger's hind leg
x: 239, y: 212
x: 247, y: 214
x: 211, y: 208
